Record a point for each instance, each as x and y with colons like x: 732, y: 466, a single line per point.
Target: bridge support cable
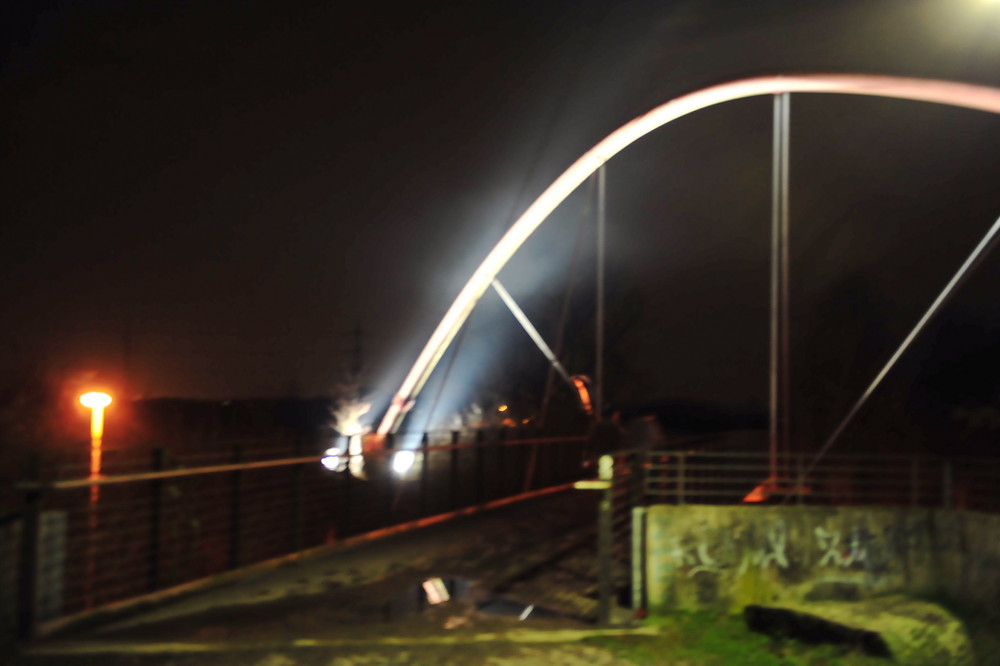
x: 599, y: 331
x: 532, y: 331
x: 779, y: 420
x: 785, y: 393
x: 567, y: 301
x: 964, y: 95
x: 973, y: 260
x: 429, y: 421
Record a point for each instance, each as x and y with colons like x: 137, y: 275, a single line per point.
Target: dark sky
x: 212, y: 194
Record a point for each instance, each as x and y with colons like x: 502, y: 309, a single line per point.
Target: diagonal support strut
x: 970, y: 264
x: 532, y: 331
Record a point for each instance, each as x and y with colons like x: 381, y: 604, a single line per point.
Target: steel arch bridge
x: 950, y: 93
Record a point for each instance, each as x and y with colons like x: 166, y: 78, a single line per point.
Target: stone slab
x: 911, y: 631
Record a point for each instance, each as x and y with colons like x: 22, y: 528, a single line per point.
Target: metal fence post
x: 501, y: 475
x: 480, y: 472
x: 680, y: 478
x: 520, y: 461
x: 453, y: 481
x: 235, y: 509
x: 155, y: 521
x: 27, y: 592
x: 605, y: 543
x: 638, y: 558
x: 557, y: 459
x: 637, y: 479
x: 391, y: 482
x: 344, y: 521
x: 425, y: 442
x: 546, y: 462
x: 531, y: 470
x: 298, y: 477
x: 946, y: 484
x: 800, y: 481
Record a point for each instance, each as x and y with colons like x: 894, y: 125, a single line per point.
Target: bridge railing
x: 718, y: 477
x: 89, y: 543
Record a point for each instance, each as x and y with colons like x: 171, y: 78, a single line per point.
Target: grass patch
x: 706, y: 639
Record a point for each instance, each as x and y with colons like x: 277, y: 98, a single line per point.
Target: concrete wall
x: 723, y: 558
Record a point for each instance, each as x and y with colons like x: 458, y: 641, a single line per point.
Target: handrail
x: 87, y: 482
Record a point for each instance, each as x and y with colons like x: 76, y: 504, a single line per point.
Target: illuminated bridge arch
x: 941, y: 92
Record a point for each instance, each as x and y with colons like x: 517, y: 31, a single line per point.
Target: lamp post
x: 96, y: 402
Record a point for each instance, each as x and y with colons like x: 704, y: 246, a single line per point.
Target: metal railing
x: 632, y: 480
x: 717, y: 477
x: 87, y: 543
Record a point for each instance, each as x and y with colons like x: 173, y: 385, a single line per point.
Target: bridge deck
x: 537, y: 551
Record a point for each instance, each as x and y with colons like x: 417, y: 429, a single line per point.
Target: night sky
x: 208, y: 196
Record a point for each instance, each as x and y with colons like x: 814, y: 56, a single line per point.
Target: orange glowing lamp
x: 96, y: 402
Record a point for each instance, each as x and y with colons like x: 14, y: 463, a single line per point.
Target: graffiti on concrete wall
x: 840, y: 555
x: 722, y: 557
x: 765, y: 548
x: 773, y: 550
x: 770, y: 544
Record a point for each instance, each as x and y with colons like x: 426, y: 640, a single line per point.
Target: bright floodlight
x: 95, y: 400
x: 333, y: 460
x: 403, y: 461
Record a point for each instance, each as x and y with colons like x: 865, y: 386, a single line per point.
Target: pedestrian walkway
x: 518, y: 579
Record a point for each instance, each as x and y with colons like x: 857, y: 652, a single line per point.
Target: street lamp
x: 96, y: 402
